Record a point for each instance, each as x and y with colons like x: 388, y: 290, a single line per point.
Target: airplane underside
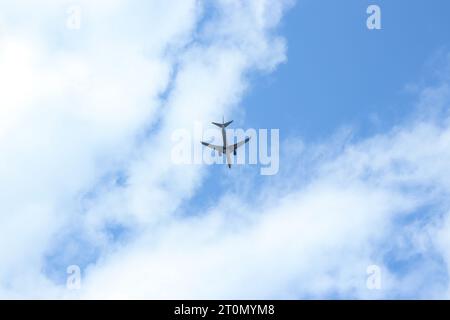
x: 224, y: 149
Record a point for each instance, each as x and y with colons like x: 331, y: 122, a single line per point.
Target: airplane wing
x: 213, y: 146
x: 233, y: 147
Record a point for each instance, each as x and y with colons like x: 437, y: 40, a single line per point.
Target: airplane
x: 227, y: 150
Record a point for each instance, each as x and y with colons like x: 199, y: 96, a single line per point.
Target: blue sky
x: 87, y: 117
x: 340, y: 73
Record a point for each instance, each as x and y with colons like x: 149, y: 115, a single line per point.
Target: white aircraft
x: 227, y: 150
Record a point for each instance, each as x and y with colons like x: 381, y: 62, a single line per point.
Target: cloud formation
x: 86, y: 115
x: 87, y: 177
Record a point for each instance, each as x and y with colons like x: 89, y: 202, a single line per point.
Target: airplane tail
x: 222, y: 125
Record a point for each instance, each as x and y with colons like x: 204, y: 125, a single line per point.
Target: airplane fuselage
x: 224, y: 138
x: 225, y: 152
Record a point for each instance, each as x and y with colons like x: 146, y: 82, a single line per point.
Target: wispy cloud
x: 87, y: 114
x: 382, y: 201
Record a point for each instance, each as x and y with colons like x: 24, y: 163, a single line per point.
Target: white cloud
x: 80, y: 105
x: 312, y: 240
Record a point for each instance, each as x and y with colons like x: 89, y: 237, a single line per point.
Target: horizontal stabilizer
x: 222, y: 125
